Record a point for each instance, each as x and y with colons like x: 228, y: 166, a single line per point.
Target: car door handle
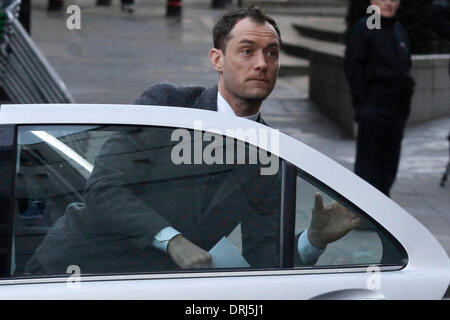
x: 351, y: 294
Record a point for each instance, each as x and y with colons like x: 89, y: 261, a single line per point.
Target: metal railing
x: 25, y: 74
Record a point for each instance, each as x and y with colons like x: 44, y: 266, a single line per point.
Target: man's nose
x: 260, y: 63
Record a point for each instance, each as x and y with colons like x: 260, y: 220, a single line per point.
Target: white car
x: 49, y: 155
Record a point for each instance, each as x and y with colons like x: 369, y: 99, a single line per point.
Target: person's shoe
x: 128, y: 8
x: 103, y: 3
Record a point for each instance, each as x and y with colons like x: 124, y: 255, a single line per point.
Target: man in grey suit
x: 144, y: 214
x: 246, y: 57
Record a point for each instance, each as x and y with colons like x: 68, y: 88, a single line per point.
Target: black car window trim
x: 287, y: 223
x: 344, y: 201
x: 8, y: 154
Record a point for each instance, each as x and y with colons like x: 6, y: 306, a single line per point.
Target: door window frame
x: 8, y: 154
x: 287, y: 227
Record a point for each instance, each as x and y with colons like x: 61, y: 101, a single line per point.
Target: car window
x: 97, y: 197
x: 366, y: 244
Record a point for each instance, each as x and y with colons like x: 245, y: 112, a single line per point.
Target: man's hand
x: 329, y: 223
x: 188, y: 255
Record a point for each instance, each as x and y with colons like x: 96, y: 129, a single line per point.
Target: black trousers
x: 378, y: 147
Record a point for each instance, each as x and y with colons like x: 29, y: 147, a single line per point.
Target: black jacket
x: 440, y: 18
x: 377, y: 67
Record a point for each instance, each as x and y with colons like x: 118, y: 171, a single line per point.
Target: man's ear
x: 216, y: 57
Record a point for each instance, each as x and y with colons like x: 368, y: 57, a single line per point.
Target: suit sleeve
x: 110, y: 197
x: 109, y: 191
x: 158, y: 94
x: 355, y: 61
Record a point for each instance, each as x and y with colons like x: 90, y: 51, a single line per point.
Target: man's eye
x: 246, y: 51
x: 272, y: 53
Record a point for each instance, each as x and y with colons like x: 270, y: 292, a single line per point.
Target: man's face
x: 248, y: 68
x: 388, y: 7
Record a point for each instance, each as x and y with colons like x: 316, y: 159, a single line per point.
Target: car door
x: 87, y: 189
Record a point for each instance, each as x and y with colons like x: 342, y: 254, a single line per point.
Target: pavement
x: 116, y: 56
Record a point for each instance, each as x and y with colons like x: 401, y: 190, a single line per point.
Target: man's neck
x: 241, y: 108
x: 224, y: 107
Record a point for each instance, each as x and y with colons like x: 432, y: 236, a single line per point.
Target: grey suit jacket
x: 170, y: 95
x: 190, y: 97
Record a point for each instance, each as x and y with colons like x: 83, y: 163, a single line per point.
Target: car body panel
x: 426, y: 275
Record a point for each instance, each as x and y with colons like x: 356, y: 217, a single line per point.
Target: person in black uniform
x: 440, y: 22
x: 377, y: 67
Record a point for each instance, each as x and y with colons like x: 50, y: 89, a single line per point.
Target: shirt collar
x: 224, y: 107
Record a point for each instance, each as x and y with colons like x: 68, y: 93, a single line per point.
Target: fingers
x: 188, y: 255
x: 356, y: 222
x: 202, y: 260
x: 318, y: 202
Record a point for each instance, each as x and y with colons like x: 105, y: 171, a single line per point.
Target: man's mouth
x: 260, y: 80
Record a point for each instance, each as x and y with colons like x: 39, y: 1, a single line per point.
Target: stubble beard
x: 254, y: 98
x: 251, y: 100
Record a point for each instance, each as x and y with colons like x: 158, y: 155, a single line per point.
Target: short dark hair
x: 227, y: 22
